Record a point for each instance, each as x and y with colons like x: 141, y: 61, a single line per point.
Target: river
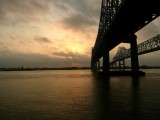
x: 78, y: 95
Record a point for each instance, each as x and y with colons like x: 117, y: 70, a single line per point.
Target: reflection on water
x: 78, y: 95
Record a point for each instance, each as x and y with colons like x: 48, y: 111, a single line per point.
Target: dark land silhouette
x: 67, y: 68
x: 42, y: 68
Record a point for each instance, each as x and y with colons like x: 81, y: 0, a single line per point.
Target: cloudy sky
x: 55, y: 33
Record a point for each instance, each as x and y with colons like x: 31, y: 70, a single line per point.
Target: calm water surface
x: 78, y: 95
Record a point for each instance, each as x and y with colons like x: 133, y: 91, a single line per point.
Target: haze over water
x: 78, y: 95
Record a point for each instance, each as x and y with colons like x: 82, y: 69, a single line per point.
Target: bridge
x: 119, y: 21
x: 151, y: 45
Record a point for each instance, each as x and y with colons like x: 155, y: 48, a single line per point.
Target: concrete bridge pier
x: 122, y: 64
x: 93, y: 63
x: 134, y: 55
x: 112, y: 65
x: 106, y: 65
x: 99, y: 65
x: 95, y: 66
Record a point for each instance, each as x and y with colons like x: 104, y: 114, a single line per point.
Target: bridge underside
x: 131, y: 17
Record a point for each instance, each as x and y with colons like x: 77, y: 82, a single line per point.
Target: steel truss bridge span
x: 119, y: 21
x: 148, y: 46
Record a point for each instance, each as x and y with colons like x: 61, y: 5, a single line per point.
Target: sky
x: 56, y: 33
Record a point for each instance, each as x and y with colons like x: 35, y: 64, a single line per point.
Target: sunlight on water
x: 78, y: 95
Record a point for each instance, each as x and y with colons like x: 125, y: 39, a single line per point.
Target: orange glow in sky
x: 52, y: 33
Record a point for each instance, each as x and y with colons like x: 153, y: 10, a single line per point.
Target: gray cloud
x: 38, y: 60
x: 79, y: 12
x: 59, y: 4
x: 41, y: 39
x: 90, y: 8
x: 69, y: 54
x: 21, y: 11
x: 24, y: 7
x: 5, y: 48
x: 78, y: 21
x: 26, y: 60
x: 82, y: 14
x: 2, y: 12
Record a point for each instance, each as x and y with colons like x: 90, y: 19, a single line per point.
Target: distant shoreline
x: 35, y: 69
x: 66, y: 68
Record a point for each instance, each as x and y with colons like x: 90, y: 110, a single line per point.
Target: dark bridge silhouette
x: 119, y: 20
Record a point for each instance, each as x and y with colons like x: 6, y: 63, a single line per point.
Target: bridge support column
x: 98, y: 65
x: 122, y: 64
x: 94, y: 68
x: 92, y: 63
x: 134, y: 55
x: 106, y: 63
x: 105, y: 60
